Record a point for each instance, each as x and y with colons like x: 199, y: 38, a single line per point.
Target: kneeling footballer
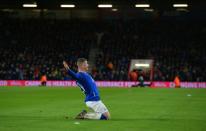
x: 89, y: 88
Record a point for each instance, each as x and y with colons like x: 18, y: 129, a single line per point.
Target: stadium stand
x: 176, y: 47
x: 31, y: 47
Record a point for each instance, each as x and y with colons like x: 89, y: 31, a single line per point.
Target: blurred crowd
x: 177, y: 48
x: 32, y: 47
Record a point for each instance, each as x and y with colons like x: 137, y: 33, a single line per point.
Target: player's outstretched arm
x: 70, y: 72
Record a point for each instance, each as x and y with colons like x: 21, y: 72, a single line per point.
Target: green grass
x: 44, y: 109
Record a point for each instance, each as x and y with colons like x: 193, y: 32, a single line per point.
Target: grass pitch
x: 133, y: 109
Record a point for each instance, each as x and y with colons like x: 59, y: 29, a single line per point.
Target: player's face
x: 85, y: 66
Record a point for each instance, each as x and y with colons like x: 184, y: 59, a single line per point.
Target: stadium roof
x: 92, y: 4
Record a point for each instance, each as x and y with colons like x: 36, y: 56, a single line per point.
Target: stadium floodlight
x: 180, y: 5
x: 30, y: 5
x: 105, y: 5
x: 142, y: 65
x: 142, y: 5
x: 67, y: 5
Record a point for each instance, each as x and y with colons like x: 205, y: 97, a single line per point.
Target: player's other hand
x: 65, y: 65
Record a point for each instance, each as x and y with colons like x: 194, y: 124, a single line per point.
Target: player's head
x: 82, y: 64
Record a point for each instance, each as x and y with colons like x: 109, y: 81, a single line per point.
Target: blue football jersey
x: 86, y: 84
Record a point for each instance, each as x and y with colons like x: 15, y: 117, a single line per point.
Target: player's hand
x: 65, y: 65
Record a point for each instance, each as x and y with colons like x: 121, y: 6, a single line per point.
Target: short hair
x: 80, y: 61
